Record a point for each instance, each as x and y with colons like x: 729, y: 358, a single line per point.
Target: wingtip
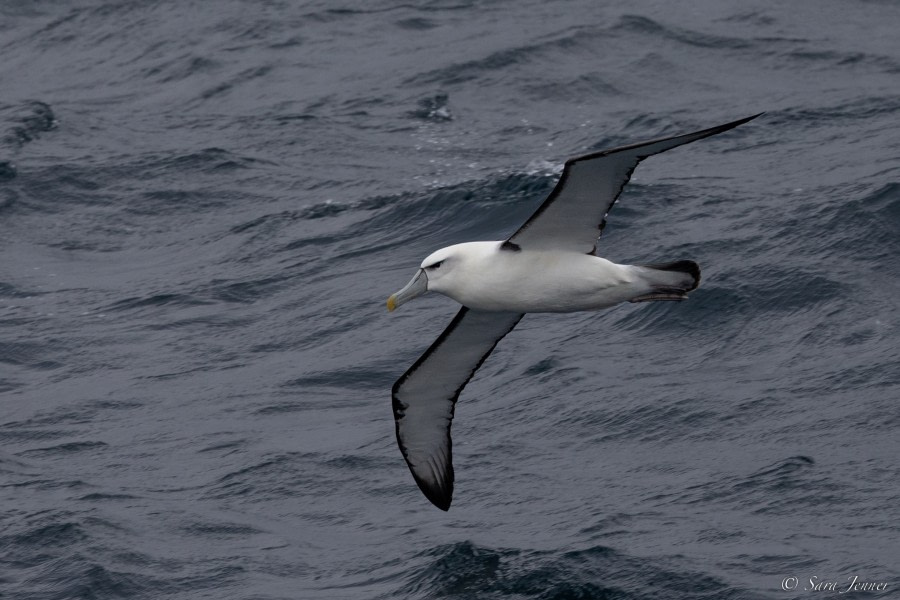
x: 444, y: 506
x: 731, y: 125
x: 437, y: 487
x: 440, y: 496
x: 750, y: 118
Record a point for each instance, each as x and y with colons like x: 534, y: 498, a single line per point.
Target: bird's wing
x: 425, y: 396
x: 573, y: 215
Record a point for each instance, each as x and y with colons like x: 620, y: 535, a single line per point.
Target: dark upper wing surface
x: 425, y: 396
x: 573, y: 215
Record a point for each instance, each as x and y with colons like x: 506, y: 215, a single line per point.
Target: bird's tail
x: 669, y: 281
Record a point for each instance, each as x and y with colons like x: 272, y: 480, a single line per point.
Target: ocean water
x: 203, y: 207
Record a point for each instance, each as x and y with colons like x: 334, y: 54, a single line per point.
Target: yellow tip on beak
x: 391, y: 304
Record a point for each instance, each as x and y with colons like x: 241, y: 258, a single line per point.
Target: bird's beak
x: 416, y: 287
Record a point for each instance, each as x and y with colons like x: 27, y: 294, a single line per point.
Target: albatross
x: 548, y: 265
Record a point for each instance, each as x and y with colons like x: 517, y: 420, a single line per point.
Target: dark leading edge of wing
x: 573, y: 215
x: 425, y: 396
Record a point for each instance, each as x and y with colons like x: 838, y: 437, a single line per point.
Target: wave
x: 783, y: 487
x: 20, y: 124
x: 467, y: 570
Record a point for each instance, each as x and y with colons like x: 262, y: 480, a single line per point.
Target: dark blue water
x: 203, y: 207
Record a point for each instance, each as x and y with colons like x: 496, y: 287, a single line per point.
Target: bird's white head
x: 442, y: 271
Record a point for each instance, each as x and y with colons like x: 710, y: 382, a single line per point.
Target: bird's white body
x: 483, y: 276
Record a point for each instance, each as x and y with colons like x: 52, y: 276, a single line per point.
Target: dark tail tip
x: 680, y: 266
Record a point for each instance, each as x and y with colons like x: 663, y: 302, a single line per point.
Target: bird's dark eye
x: 436, y: 265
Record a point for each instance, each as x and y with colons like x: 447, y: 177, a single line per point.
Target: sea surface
x: 204, y: 205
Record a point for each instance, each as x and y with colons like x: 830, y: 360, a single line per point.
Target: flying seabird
x: 548, y: 265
